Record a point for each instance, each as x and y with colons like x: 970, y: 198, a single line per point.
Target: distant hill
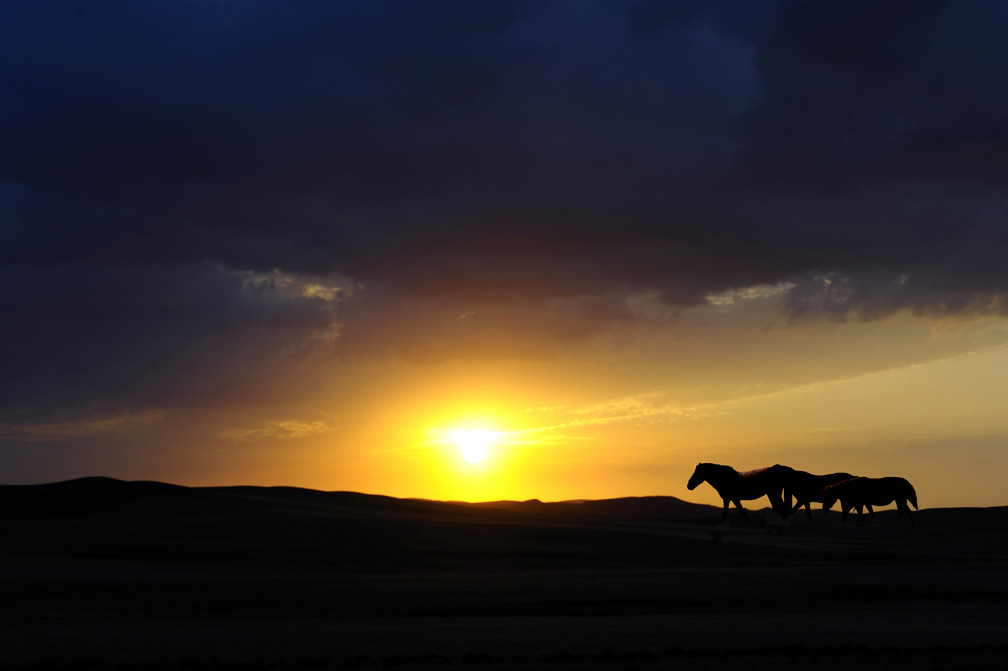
x: 283, y: 528
x: 93, y: 493
x: 638, y: 507
x: 145, y: 525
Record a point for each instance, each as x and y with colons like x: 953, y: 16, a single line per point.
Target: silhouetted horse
x: 868, y: 492
x: 735, y: 487
x: 807, y: 488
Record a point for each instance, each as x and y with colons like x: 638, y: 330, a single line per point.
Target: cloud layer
x: 522, y: 163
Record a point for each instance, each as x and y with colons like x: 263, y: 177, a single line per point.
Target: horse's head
x: 697, y: 477
x: 829, y: 497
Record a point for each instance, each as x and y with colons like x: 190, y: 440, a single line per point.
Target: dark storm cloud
x: 156, y: 336
x: 501, y: 152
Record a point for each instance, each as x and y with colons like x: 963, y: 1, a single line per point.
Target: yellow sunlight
x: 473, y: 444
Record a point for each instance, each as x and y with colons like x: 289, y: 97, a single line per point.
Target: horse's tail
x: 912, y: 495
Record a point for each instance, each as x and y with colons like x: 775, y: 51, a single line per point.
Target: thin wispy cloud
x: 281, y: 430
x: 78, y: 428
x: 655, y: 406
x: 649, y: 406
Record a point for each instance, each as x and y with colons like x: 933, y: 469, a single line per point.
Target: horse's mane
x: 718, y: 467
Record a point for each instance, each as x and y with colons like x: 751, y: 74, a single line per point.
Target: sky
x: 337, y: 244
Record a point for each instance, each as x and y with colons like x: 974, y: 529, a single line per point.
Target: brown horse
x: 868, y: 492
x: 735, y: 487
x: 807, y: 488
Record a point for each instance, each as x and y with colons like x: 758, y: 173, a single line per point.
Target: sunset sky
x: 336, y: 244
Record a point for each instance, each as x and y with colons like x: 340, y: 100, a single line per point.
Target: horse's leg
x: 786, y: 509
x: 901, y: 506
x: 724, y: 516
x: 860, y: 513
x: 871, y: 511
x: 786, y: 503
x: 738, y: 504
x: 799, y: 502
x: 777, y: 503
x: 844, y: 510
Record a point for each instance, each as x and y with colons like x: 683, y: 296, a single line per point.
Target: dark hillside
x: 286, y: 526
x: 100, y: 573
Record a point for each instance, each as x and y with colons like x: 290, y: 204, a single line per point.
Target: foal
x: 868, y: 492
x: 808, y: 488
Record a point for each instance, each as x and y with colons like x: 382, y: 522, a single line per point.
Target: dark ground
x: 99, y: 573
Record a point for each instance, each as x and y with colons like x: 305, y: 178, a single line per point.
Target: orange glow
x: 587, y: 428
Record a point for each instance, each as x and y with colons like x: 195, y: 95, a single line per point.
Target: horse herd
x: 779, y: 483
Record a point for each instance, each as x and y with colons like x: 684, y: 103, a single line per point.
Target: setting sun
x: 473, y: 444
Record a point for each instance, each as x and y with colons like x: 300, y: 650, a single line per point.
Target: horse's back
x: 823, y: 481
x: 851, y: 487
x: 775, y: 473
x: 834, y: 478
x: 875, y: 491
x: 759, y: 482
x: 813, y: 487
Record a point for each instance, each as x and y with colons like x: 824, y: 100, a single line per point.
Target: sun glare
x: 473, y: 444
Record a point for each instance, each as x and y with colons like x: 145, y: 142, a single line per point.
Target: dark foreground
x: 99, y: 573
